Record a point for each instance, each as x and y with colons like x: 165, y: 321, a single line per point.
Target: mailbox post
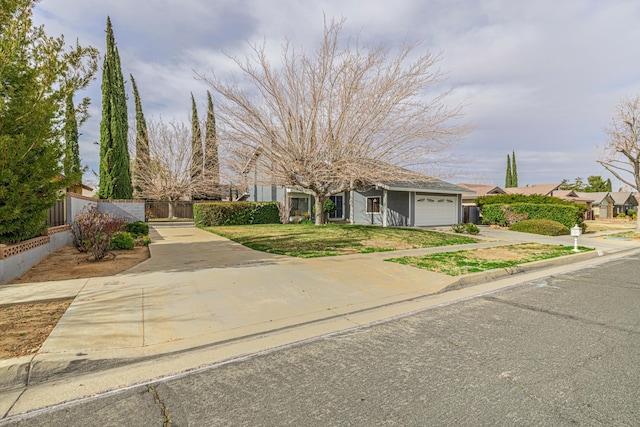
x: 576, y: 232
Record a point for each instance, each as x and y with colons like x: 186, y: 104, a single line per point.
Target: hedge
x: 541, y: 226
x: 566, y: 214
x: 235, y: 213
x: 510, y: 199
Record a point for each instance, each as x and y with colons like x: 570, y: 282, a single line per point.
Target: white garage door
x: 436, y: 210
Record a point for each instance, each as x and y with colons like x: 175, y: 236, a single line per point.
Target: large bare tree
x: 167, y: 175
x: 621, y: 152
x: 328, y: 122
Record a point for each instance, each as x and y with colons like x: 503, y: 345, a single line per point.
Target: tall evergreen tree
x: 115, y: 173
x: 508, y: 181
x: 211, y: 162
x: 608, y: 187
x: 37, y: 73
x: 143, y: 162
x: 514, y: 170
x: 71, y: 162
x: 196, y: 152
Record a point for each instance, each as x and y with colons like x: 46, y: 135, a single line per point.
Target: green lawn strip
x: 309, y: 241
x: 467, y: 261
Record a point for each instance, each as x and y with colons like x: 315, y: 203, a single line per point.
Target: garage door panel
x: 436, y: 210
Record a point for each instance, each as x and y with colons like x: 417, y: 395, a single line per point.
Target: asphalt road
x: 562, y: 351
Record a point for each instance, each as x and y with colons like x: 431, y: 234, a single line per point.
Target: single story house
x: 623, y: 201
x: 602, y: 204
x: 540, y: 189
x: 422, y: 201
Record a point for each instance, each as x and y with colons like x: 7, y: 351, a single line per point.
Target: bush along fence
x: 235, y: 213
x: 507, y: 215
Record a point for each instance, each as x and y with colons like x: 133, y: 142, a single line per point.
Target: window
x: 338, y: 201
x: 373, y: 204
x: 299, y: 205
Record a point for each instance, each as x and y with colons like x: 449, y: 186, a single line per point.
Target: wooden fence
x: 162, y: 209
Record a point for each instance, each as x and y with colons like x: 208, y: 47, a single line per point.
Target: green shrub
x: 541, y: 226
x: 631, y: 212
x: 458, y: 228
x: 143, y: 240
x: 509, y: 199
x: 235, y: 213
x: 568, y: 214
x: 621, y: 215
x: 471, y: 228
x: 137, y: 228
x: 122, y: 240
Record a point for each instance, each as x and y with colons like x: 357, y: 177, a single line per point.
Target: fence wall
x: 20, y: 257
x: 131, y: 210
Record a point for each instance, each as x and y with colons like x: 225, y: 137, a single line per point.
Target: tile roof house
x: 479, y: 190
x: 602, y: 204
x: 623, y: 201
x: 540, y: 189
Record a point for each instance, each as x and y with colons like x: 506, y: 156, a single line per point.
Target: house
x: 418, y: 201
x: 623, y: 201
x: 478, y: 190
x: 602, y: 204
x: 540, y: 189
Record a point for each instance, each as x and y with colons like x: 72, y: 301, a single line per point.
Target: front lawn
x: 308, y: 241
x: 477, y: 260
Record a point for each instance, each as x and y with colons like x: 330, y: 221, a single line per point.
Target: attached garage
x: 436, y: 209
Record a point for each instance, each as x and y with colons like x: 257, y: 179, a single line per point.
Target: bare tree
x: 168, y: 175
x: 621, y: 152
x: 330, y: 122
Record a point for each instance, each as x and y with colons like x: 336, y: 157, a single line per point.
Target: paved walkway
x: 202, y: 291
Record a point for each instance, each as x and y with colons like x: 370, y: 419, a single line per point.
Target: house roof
x: 416, y: 181
x: 622, y: 197
x: 597, y: 197
x: 482, y: 190
x: 432, y: 185
x: 541, y: 189
x: 572, y: 196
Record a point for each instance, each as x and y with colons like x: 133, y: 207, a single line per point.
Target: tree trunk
x: 171, y: 216
x: 319, y: 214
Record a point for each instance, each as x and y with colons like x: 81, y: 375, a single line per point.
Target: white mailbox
x: 576, y: 231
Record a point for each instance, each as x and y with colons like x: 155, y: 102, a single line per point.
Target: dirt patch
x: 68, y: 263
x: 26, y: 326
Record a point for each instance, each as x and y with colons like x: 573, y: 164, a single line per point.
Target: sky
x: 538, y: 78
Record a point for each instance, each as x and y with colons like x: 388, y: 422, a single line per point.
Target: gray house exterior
x: 430, y: 202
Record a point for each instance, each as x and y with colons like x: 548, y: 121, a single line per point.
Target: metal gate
x: 161, y: 209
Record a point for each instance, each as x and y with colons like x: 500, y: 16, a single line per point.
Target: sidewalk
x: 204, y: 298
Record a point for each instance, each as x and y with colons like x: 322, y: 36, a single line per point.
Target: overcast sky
x: 540, y: 78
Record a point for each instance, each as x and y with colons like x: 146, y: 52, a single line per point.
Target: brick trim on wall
x: 15, y: 249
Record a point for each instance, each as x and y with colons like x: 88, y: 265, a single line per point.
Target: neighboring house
x: 623, y: 201
x: 540, y: 189
x: 477, y: 191
x: 602, y: 205
x: 572, y: 196
x: 424, y: 201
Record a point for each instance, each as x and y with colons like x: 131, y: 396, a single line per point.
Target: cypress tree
x: 211, y: 163
x: 115, y: 173
x: 142, y: 142
x: 196, y: 151
x: 508, y: 181
x: 608, y: 187
x: 514, y: 170
x: 71, y: 163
